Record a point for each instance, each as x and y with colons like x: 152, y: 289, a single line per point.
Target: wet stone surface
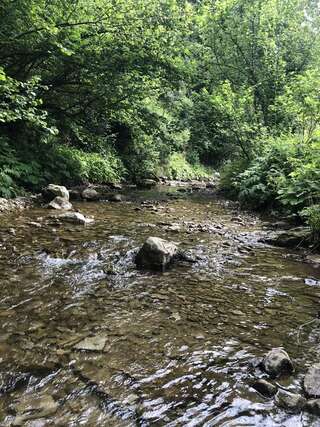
x: 87, y: 339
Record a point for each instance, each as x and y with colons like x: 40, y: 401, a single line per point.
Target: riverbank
x: 18, y: 203
x: 284, y: 234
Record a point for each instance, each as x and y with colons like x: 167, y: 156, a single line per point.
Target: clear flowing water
x: 113, y: 346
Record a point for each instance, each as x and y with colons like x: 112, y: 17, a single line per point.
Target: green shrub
x: 179, y: 168
x: 311, y: 215
x: 76, y: 166
x: 301, y: 187
x: 51, y: 163
x: 285, y: 175
x: 14, y: 173
x: 230, y: 173
x: 255, y: 182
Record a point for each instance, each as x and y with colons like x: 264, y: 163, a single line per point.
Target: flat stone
x: 60, y: 203
x: 75, y: 218
x: 292, y: 401
x: 292, y: 238
x: 32, y: 407
x: 311, y: 381
x: 96, y: 343
x: 265, y: 388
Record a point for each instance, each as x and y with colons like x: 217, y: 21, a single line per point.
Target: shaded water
x: 172, y: 349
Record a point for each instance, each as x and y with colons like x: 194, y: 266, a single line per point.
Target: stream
x: 99, y: 343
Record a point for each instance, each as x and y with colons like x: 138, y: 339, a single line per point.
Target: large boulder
x: 52, y: 191
x: 277, y: 362
x: 75, y: 218
x: 291, y: 401
x: 311, y: 381
x: 75, y: 194
x: 90, y: 194
x: 156, y: 254
x: 60, y: 203
x: 292, y: 238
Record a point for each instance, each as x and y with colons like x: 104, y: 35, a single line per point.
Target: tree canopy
x: 136, y: 84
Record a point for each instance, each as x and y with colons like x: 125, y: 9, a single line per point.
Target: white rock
x: 96, y: 343
x: 60, y: 203
x: 52, y: 191
x: 75, y: 218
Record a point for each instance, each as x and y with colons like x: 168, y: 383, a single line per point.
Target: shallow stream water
x: 113, y: 346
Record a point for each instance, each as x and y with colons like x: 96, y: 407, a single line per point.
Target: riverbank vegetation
x: 103, y: 90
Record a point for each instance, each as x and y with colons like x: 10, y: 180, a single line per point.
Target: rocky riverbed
x: 89, y: 339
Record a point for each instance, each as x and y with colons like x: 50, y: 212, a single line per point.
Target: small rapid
x: 87, y: 339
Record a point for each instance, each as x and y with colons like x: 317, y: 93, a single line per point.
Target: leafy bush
x: 59, y: 164
x: 300, y: 187
x: 20, y: 102
x: 255, y: 182
x: 76, y: 166
x: 312, y: 218
x: 285, y: 175
x: 224, y: 122
x: 179, y: 168
x: 14, y: 173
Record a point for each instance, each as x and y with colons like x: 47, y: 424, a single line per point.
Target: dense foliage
x: 104, y: 90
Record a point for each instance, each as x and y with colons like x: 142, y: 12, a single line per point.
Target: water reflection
x: 173, y: 349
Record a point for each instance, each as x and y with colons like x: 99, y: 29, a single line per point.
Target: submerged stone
x: 75, y: 194
x: 96, y: 343
x: 292, y: 401
x: 314, y: 260
x: 299, y: 236
x: 10, y: 381
x: 147, y: 183
x: 115, y: 185
x: 313, y: 406
x: 32, y: 407
x: 311, y: 381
